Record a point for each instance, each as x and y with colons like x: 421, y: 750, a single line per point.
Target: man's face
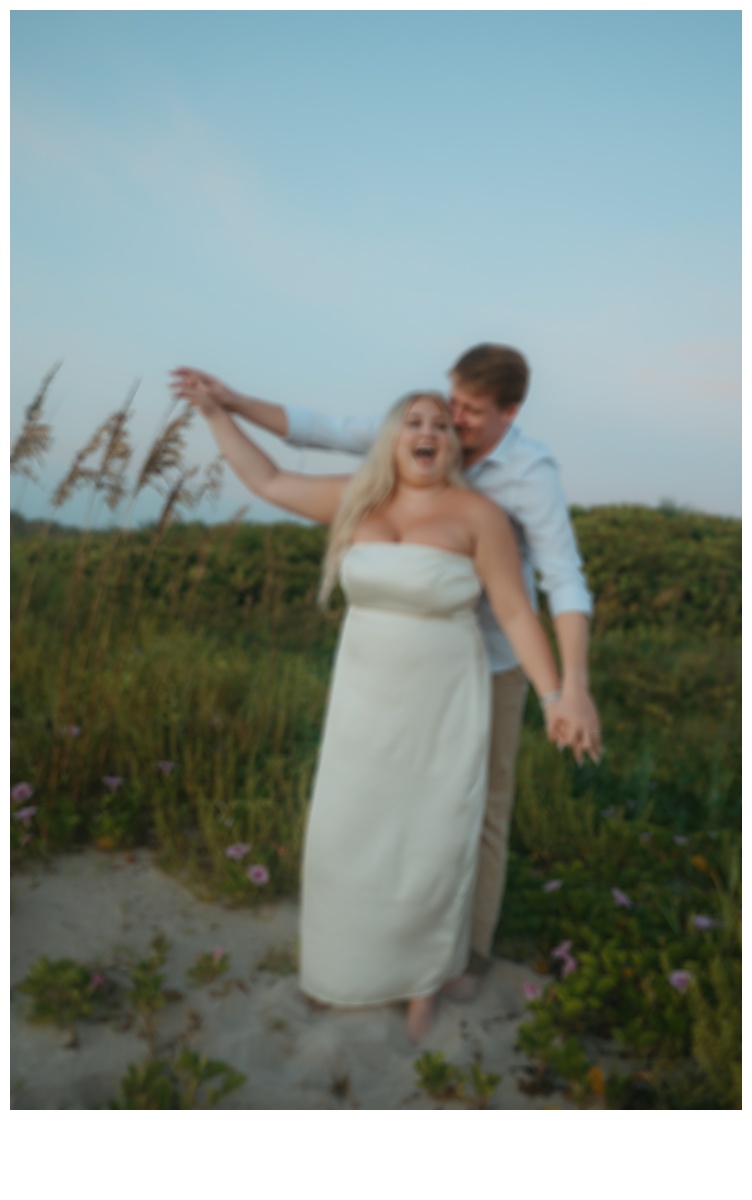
x: 478, y: 422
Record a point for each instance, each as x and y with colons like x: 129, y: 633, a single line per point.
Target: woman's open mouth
x: 425, y: 454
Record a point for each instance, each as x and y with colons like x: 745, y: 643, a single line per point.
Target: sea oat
x: 35, y: 437
x: 167, y: 452
x: 117, y: 454
x: 180, y: 494
x: 211, y: 487
x: 78, y: 474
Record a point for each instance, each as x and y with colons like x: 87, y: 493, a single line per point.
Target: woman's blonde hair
x: 374, y: 483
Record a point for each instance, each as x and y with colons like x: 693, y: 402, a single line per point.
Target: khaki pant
x: 508, y: 691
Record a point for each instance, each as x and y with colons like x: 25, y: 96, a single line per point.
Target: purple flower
x: 553, y: 885
x: 703, y: 923
x: 680, y: 980
x: 258, y: 874
x: 97, y: 981
x: 561, y: 951
x: 25, y: 814
x: 113, y: 782
x: 73, y: 731
x: 166, y: 767
x: 681, y: 841
x: 21, y: 793
x: 237, y: 851
x: 621, y: 899
x: 607, y: 812
x: 646, y: 836
x: 532, y: 990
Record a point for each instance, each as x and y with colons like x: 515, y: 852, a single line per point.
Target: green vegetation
x: 443, y: 1081
x: 62, y: 992
x: 180, y: 1083
x: 209, y: 967
x: 168, y: 689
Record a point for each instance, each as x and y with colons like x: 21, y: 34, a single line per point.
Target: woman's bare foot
x: 319, y: 1005
x: 463, y: 988
x: 420, y: 1016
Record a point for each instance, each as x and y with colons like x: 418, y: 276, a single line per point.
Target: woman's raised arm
x: 314, y: 496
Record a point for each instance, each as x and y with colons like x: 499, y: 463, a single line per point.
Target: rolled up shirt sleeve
x: 352, y: 435
x: 540, y: 506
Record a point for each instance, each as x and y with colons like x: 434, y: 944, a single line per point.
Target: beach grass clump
x: 63, y: 992
x: 188, y: 1081
x: 442, y: 1080
x: 209, y: 966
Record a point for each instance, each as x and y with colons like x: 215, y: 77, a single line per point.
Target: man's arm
x: 299, y: 426
x: 578, y: 708
x: 271, y: 417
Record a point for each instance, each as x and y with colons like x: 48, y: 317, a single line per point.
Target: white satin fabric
x: 394, y: 825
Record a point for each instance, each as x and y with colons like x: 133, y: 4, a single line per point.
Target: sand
x: 103, y: 911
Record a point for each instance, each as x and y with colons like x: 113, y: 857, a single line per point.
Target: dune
x: 103, y: 910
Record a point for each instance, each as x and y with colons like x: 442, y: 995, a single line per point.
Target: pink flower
x: 680, y: 980
x: 703, y: 923
x: 113, y: 782
x: 25, y: 814
x: 258, y: 874
x: 238, y: 850
x: 166, y: 767
x: 21, y: 792
x: 532, y: 990
x: 561, y: 951
x: 621, y: 899
x: 97, y: 981
x: 553, y: 885
x: 73, y: 731
x: 218, y: 954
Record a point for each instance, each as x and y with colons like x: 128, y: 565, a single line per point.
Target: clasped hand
x: 572, y: 722
x: 204, y: 392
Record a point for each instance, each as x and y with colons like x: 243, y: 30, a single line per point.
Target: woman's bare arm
x: 497, y: 561
x: 314, y: 496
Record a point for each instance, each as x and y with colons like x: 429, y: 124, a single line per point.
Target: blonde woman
x: 394, y: 825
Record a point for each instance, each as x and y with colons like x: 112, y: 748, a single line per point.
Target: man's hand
x: 577, y: 723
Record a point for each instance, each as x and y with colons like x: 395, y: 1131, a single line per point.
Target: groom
x: 488, y: 385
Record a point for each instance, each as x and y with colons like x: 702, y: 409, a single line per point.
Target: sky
x: 328, y: 207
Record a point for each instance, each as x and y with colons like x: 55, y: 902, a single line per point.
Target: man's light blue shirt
x: 521, y: 476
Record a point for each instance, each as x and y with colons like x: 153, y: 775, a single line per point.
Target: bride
x: 393, y: 830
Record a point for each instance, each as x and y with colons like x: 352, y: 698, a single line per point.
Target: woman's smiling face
x: 424, y: 448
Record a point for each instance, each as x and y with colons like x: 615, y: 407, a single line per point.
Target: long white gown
x: 394, y: 825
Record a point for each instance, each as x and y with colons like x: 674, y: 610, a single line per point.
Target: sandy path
x: 104, y: 909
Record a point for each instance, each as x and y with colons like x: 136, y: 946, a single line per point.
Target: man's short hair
x: 496, y: 371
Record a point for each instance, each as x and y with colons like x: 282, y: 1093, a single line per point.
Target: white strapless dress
x: 394, y: 825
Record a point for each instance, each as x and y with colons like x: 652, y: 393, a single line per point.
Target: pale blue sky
x: 329, y: 207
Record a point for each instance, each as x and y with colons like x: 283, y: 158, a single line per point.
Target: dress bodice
x: 409, y: 577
